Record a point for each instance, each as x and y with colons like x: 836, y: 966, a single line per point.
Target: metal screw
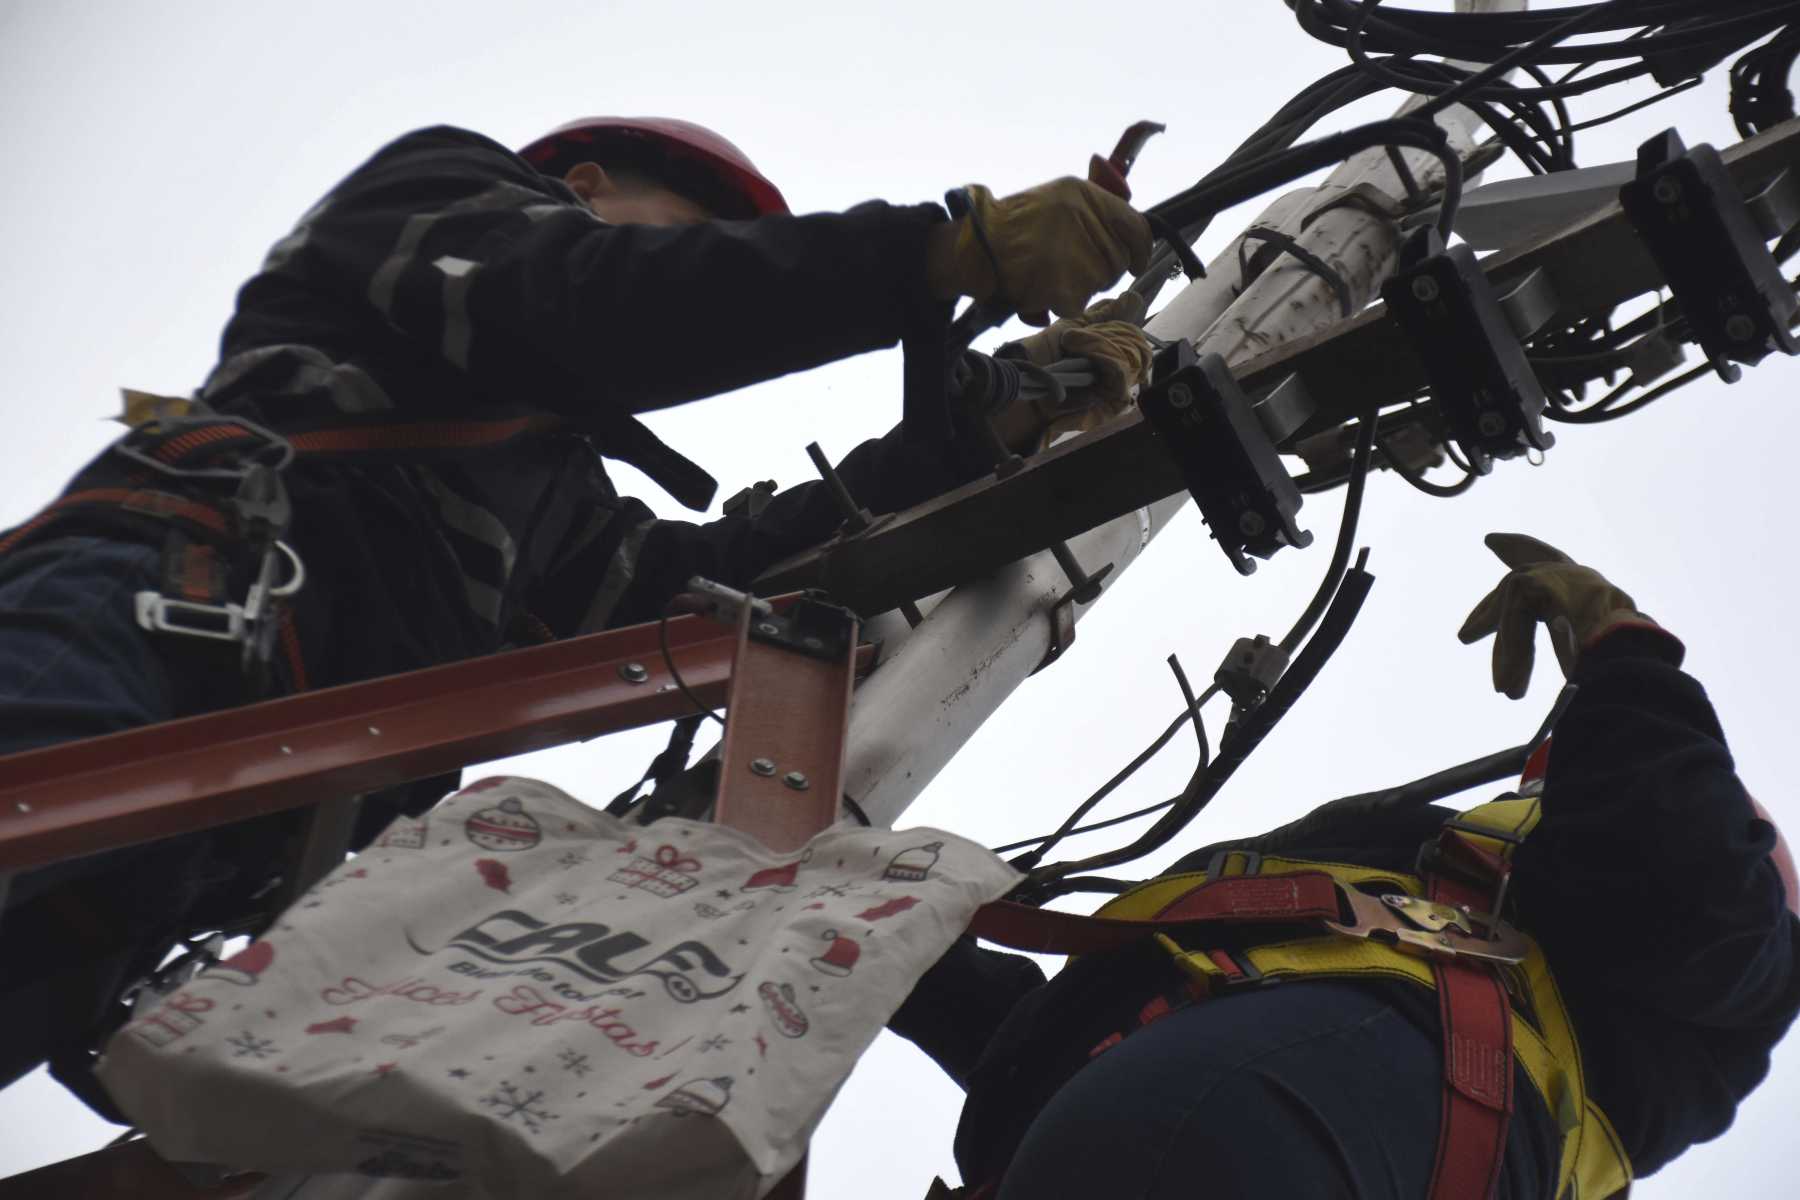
x: 812, y: 643
x: 374, y: 731
x: 1443, y: 939
x: 634, y: 672
x: 768, y: 629
x: 1180, y: 396
x: 796, y: 780
x: 762, y: 766
x: 1739, y: 328
x: 1666, y: 190
x: 1491, y: 424
x: 1251, y: 524
x: 24, y: 807
x: 287, y: 750
x: 1425, y: 288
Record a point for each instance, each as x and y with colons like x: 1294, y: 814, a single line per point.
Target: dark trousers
x: 1313, y: 1089
x: 75, y: 664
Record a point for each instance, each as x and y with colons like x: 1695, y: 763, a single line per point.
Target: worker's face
x: 627, y: 198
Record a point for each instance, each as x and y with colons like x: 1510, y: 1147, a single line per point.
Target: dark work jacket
x: 446, y: 281
x: 1647, y: 882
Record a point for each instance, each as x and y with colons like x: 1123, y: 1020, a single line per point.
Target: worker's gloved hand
x: 1544, y: 585
x: 1108, y: 336
x: 1049, y: 248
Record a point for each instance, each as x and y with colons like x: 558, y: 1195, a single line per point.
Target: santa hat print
x: 776, y: 879
x: 506, y: 826
x: 840, y: 955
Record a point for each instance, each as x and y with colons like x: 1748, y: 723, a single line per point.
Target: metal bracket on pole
x: 782, y: 769
x: 857, y: 519
x: 1227, y: 457
x: 1084, y: 588
x: 1708, y: 246
x: 1467, y: 340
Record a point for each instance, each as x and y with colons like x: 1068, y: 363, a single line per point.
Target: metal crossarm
x: 83, y: 797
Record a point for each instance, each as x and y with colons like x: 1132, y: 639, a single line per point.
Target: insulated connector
x: 1250, y: 670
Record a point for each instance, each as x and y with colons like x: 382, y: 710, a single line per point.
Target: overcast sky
x: 151, y: 154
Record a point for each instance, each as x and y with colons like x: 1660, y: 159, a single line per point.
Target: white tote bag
x: 521, y: 996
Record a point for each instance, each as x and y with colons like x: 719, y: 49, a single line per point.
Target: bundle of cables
x: 1594, y: 46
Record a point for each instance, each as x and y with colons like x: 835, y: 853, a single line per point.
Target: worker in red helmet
x: 1542, y: 996
x: 397, y: 462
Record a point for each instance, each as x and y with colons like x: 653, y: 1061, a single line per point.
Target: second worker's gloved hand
x: 1545, y: 585
x: 1109, y: 337
x: 1049, y: 248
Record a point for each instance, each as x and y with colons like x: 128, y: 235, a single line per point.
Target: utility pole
x: 979, y: 642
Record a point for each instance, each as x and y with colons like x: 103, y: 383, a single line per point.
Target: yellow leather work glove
x: 1109, y: 337
x: 1544, y: 585
x: 1053, y: 245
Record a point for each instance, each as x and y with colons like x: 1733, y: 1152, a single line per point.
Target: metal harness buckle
x: 1428, y: 928
x: 247, y: 623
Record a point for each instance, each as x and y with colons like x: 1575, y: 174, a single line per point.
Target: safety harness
x: 1440, y: 928
x: 209, y: 485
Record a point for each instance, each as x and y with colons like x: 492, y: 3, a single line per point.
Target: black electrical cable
x: 1192, y: 712
x: 1660, y: 28
x: 1244, y: 737
x: 1254, y: 178
x: 1340, y: 552
x: 1604, y: 410
x: 662, y: 640
x: 1646, y: 102
x: 1417, y: 478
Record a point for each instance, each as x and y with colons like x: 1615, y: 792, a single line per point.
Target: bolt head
x: 1180, y: 396
x: 797, y: 780
x: 1491, y: 424
x: 1425, y: 289
x: 634, y: 672
x: 1666, y: 189
x: 1251, y: 524
x: 762, y: 766
x: 812, y: 643
x: 1739, y: 327
x: 768, y: 629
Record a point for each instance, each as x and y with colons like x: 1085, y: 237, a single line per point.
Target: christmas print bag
x: 518, y: 995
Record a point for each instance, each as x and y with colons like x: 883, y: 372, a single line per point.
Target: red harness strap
x: 1476, y: 1015
x: 1304, y: 896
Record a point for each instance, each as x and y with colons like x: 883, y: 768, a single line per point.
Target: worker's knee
x: 73, y: 662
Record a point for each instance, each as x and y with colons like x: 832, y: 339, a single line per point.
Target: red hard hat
x: 683, y: 141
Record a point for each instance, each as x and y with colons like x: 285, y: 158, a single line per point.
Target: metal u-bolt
x: 856, y: 517
x: 1083, y: 588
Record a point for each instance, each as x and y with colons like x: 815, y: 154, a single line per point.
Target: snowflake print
x: 573, y: 858
x: 574, y: 1063
x: 509, y: 1102
x: 715, y: 1042
x: 566, y: 898
x: 248, y: 1045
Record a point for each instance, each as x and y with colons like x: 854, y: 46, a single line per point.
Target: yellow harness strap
x: 1594, y: 1164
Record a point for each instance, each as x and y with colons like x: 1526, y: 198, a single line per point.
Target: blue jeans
x: 1317, y: 1089
x: 75, y: 664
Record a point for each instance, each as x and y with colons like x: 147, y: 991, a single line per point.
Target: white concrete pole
x: 982, y: 640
